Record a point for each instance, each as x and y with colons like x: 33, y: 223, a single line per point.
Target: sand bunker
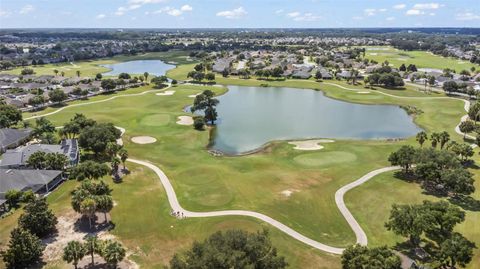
x: 364, y: 92
x: 309, y: 144
x: 287, y: 193
x: 143, y: 140
x: 165, y: 93
x: 194, y: 95
x: 185, y: 120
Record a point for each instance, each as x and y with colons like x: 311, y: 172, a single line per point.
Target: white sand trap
x: 310, y: 144
x: 143, y: 140
x: 185, y: 120
x: 166, y: 93
x: 364, y: 92
x: 288, y: 193
x: 402, y: 59
x: 194, y: 95
x: 373, y: 53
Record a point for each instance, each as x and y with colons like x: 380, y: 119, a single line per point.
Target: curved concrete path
x: 339, y: 194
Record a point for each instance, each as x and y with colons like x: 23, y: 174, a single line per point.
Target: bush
x: 198, y: 123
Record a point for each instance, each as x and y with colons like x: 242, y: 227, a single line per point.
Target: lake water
x: 250, y: 117
x: 153, y: 67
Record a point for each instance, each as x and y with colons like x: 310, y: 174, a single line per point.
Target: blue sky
x: 238, y: 13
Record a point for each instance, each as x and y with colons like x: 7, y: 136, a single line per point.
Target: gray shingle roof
x: 13, y: 179
x: 12, y: 136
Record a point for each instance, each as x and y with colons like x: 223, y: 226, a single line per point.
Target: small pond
x: 153, y: 67
x: 250, y: 117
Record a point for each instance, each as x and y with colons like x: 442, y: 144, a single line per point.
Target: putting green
x: 155, y: 120
x: 325, y: 158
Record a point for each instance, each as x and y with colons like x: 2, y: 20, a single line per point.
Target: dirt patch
x: 309, y: 144
x: 165, y: 93
x: 71, y: 227
x: 185, y: 120
x: 143, y: 140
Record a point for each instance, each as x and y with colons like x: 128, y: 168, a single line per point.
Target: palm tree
x: 73, y: 252
x: 104, y: 204
x: 55, y: 71
x: 123, y: 153
x: 114, y: 163
x: 62, y: 74
x: 146, y: 74
x: 435, y: 138
x: 421, y: 138
x: 88, y: 207
x: 78, y: 73
x: 113, y: 253
x: 92, y: 246
x: 444, y: 138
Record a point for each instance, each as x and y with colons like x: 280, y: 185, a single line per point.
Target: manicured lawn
x: 253, y: 182
x: 421, y: 59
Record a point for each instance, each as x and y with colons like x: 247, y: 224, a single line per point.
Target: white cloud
x: 399, y: 6
x: 467, y: 16
x: 369, y: 11
x: 233, y: 14
x: 414, y: 12
x: 186, y: 8
x: 427, y: 6
x: 279, y: 11
x: 390, y: 18
x: 100, y: 16
x: 4, y: 13
x: 293, y: 14
x: 307, y: 17
x: 27, y: 9
x: 382, y: 10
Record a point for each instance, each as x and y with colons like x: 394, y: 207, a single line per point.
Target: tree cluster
x: 206, y: 103
x: 92, y: 197
x: 111, y: 251
x: 357, y: 256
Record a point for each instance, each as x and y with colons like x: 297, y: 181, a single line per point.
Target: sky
x: 237, y: 13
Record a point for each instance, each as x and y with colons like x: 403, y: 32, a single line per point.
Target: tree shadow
x: 465, y: 202
x: 407, y: 177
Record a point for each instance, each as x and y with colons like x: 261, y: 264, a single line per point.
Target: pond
x: 250, y: 117
x: 153, y: 67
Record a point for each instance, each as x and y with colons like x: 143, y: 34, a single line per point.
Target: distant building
x: 17, y: 158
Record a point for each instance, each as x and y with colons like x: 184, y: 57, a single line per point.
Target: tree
x: 198, y: 123
x: 24, y: 249
x: 357, y: 256
x: 404, y: 157
x: 210, y: 76
x: 206, y: 102
x: 9, y: 116
x: 114, y: 163
x: 159, y: 81
x: 124, y: 76
x: 318, y: 75
x: 96, y: 137
x: 98, y: 76
x: 13, y: 197
x: 88, y: 207
x: 108, y: 84
x: 104, y: 204
x: 57, y: 96
x: 89, y: 170
x: 402, y: 68
x: 36, y: 100
x: 442, y: 217
x: 38, y: 218
x: 421, y: 138
x: 444, y: 138
x: 42, y: 126
x: 466, y: 127
x: 123, y: 153
x: 146, y: 74
x: 225, y: 73
x: 55, y: 71
x: 450, y: 86
x: 92, y: 246
x: 231, y: 249
x: 78, y: 73
x: 406, y: 220
x: 458, y: 181
x: 435, y: 138
x: 73, y: 252
x: 456, y: 250
x: 113, y: 253
x: 27, y: 71
x: 112, y: 148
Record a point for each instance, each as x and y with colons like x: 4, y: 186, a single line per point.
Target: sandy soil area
x: 310, y: 144
x: 165, y: 93
x: 185, y: 120
x: 143, y: 140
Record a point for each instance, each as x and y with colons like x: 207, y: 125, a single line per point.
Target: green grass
x: 421, y: 59
x: 253, y: 182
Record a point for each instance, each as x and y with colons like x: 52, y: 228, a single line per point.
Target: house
x: 39, y: 181
x: 12, y: 138
x: 221, y: 64
x: 17, y: 158
x: 301, y: 73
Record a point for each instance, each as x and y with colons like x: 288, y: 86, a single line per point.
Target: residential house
x: 12, y: 138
